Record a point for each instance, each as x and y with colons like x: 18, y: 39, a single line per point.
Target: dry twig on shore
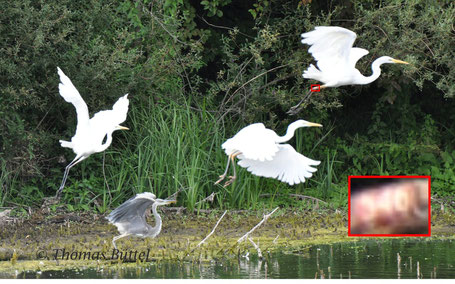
x: 267, y: 216
x: 208, y: 236
x: 256, y: 247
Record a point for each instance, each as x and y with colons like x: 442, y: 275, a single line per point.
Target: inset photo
x: 389, y: 206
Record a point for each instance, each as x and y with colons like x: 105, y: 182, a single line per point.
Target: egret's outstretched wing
x: 130, y: 216
x: 254, y: 141
x: 330, y: 46
x: 108, y: 119
x: 120, y: 109
x: 287, y: 165
x: 71, y: 95
x: 356, y: 54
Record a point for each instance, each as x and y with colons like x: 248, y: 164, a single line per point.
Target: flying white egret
x: 260, y: 152
x: 332, y: 48
x: 90, y: 132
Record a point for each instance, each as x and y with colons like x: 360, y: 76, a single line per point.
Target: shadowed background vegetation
x: 199, y: 71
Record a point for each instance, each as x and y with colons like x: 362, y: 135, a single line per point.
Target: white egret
x: 332, y: 48
x: 260, y: 152
x: 90, y: 132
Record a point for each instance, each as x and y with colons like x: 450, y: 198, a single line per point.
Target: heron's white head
x: 388, y: 59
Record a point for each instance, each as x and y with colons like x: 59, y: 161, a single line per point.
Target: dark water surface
x: 362, y: 259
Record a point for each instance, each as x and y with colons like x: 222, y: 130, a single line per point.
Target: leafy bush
x: 197, y: 72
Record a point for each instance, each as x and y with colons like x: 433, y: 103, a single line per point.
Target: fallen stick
x: 259, y: 224
x: 256, y: 247
x: 209, y: 198
x: 207, y: 211
x: 208, y: 236
x: 274, y: 241
x: 174, y: 195
x: 295, y: 195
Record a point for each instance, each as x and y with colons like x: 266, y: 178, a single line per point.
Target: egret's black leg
x: 296, y: 109
x: 65, y: 175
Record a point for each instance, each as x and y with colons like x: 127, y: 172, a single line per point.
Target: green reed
x: 171, y: 148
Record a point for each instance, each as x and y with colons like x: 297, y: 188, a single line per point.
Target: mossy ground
x: 37, y: 243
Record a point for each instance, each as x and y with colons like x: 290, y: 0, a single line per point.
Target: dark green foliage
x: 197, y: 72
x: 105, y: 51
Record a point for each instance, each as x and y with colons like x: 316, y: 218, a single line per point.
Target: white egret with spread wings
x: 332, y: 48
x: 260, y: 151
x: 90, y: 132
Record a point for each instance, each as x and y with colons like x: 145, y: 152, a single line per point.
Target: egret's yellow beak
x: 314, y: 124
x: 119, y: 127
x: 171, y: 201
x: 399, y: 61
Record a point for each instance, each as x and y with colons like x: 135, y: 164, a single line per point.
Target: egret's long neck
x: 155, y: 230
x: 289, y: 133
x: 376, y: 72
x: 108, y: 142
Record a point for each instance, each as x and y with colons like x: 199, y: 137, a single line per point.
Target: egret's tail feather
x: 66, y: 144
x: 312, y: 73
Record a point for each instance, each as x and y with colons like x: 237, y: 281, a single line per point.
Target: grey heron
x: 129, y: 218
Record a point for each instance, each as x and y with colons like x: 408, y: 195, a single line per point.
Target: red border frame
x: 389, y: 235
x: 318, y: 88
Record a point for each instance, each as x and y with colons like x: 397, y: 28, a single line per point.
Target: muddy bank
x: 71, y: 240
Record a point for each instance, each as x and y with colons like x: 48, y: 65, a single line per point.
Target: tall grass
x: 8, y: 180
x: 170, y: 148
x: 5, y: 182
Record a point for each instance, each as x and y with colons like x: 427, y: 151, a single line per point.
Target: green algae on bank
x: 42, y: 245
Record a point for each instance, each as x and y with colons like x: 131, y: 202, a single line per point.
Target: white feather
x: 262, y: 154
x: 332, y: 48
x: 287, y: 166
x: 92, y: 135
x: 71, y: 95
x: 254, y: 141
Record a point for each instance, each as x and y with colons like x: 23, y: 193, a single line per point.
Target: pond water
x: 419, y: 258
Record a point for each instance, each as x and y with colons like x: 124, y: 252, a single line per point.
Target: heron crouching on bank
x: 129, y: 218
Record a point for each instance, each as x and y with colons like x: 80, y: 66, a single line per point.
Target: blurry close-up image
x: 389, y: 206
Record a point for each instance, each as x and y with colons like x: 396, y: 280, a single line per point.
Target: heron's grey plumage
x: 129, y: 218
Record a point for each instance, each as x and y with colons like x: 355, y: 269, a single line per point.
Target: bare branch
x: 257, y: 76
x: 223, y: 27
x: 256, y: 247
x: 208, y: 236
x: 246, y: 83
x: 259, y: 224
x: 209, y: 198
x: 274, y: 241
x: 165, y: 29
x: 296, y: 195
